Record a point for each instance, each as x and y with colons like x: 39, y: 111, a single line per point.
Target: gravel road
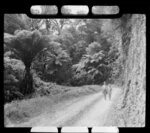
x: 90, y: 110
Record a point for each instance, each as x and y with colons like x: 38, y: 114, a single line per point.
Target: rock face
x: 129, y: 108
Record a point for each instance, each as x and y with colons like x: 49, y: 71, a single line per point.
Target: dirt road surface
x: 91, y: 110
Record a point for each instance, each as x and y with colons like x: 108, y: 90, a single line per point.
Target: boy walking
x: 107, y: 90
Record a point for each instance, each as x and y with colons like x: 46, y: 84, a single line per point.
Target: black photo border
x: 23, y: 6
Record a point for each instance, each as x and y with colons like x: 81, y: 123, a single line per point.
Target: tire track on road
x: 75, y: 118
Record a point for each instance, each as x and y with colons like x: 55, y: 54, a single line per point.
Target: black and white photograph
x: 87, y: 72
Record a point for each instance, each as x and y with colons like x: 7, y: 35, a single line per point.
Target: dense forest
x: 40, y: 54
x: 70, y: 52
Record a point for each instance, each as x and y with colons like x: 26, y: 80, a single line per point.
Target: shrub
x: 13, y: 74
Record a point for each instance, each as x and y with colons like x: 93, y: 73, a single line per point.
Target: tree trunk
x: 27, y: 83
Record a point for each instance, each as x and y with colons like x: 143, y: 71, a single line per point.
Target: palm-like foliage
x: 14, y: 22
x: 26, y: 45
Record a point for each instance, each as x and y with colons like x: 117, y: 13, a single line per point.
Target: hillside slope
x: 129, y: 110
